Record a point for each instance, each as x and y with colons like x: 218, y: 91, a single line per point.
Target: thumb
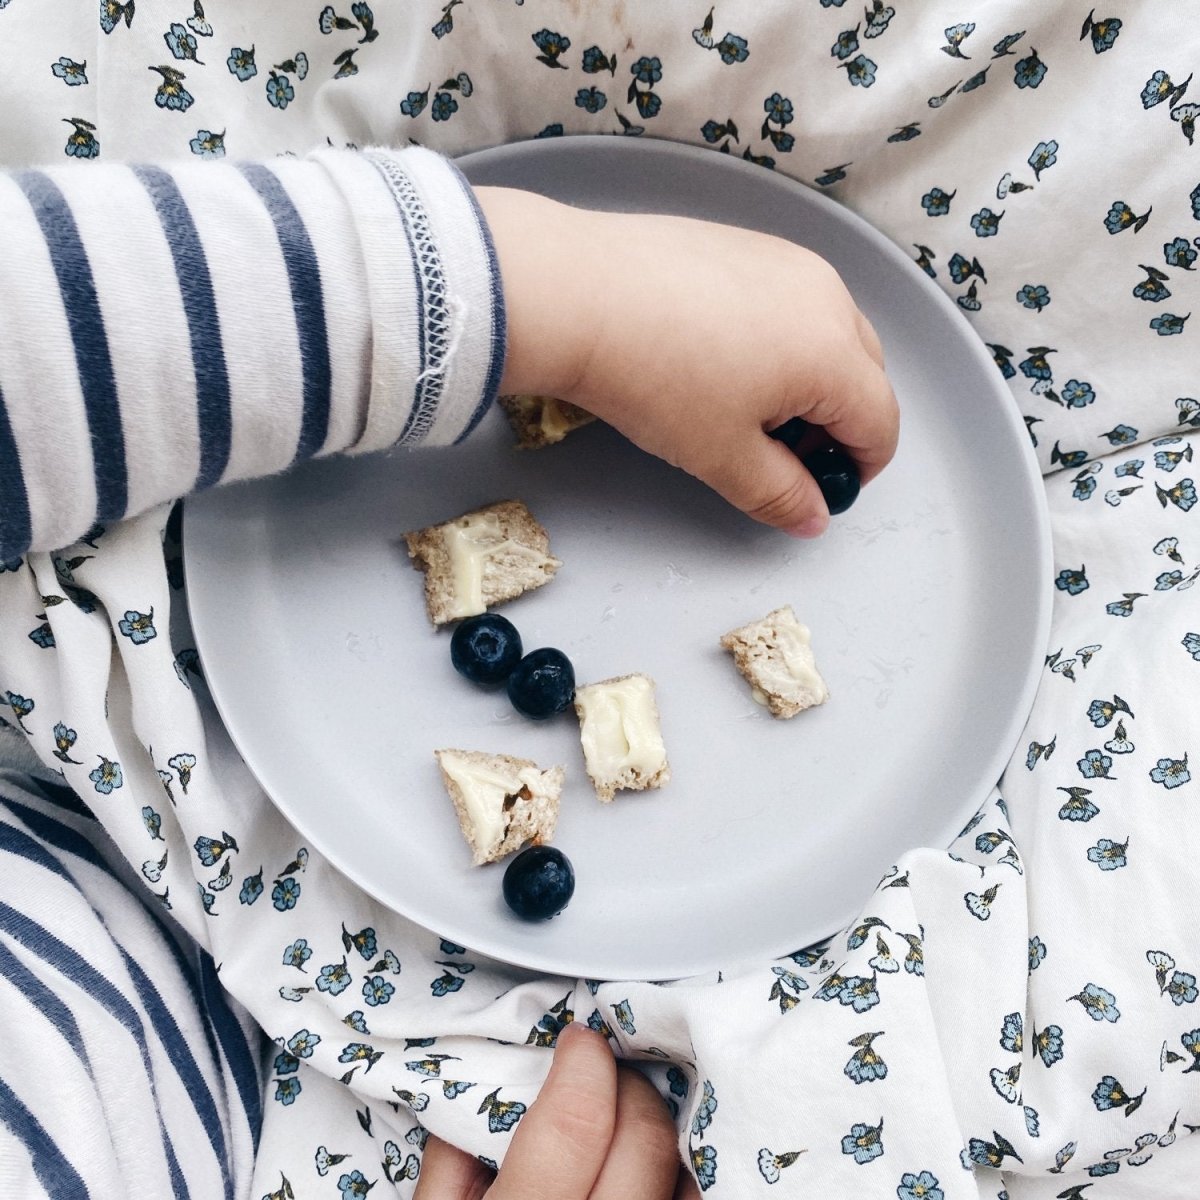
x: 561, y: 1143
x: 769, y: 483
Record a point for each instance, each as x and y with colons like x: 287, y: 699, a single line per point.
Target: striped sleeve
x: 166, y: 329
x: 105, y: 1003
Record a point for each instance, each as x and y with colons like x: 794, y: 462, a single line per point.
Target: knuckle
x: 783, y: 508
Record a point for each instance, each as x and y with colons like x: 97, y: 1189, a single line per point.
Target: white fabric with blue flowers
x: 1014, y: 1015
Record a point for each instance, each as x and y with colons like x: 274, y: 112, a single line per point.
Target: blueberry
x: 539, y: 883
x: 836, y: 474
x: 542, y: 684
x: 485, y: 649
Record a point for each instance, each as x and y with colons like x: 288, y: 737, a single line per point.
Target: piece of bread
x: 484, y: 557
x: 501, y: 802
x: 542, y: 420
x: 775, y: 656
x: 619, y: 729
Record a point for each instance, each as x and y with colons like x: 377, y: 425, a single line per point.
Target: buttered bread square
x: 619, y: 728
x: 501, y: 802
x: 481, y: 558
x: 775, y: 656
x: 542, y: 420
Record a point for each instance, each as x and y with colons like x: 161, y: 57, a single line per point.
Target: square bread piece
x: 776, y: 658
x: 542, y: 420
x: 501, y: 802
x: 482, y: 558
x: 619, y: 728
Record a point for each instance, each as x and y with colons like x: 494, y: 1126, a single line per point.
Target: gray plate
x: 929, y: 604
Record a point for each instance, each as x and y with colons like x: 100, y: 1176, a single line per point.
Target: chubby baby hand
x: 695, y: 340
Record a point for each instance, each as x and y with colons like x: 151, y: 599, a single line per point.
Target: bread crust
x: 508, y: 572
x: 530, y: 812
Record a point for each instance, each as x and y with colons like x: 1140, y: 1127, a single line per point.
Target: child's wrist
x: 547, y: 269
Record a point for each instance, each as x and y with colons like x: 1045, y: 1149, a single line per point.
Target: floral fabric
x: 1014, y: 1015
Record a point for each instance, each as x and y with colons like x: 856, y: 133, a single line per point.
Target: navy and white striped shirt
x: 165, y: 329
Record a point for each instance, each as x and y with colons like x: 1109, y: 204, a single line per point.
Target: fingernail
x: 810, y: 528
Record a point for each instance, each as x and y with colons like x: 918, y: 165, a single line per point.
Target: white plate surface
x: 928, y: 602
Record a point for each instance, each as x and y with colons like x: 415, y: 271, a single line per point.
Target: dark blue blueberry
x: 791, y: 433
x: 539, y: 883
x: 542, y: 684
x: 484, y: 649
x: 837, y: 476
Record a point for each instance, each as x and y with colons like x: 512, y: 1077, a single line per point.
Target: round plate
x: 928, y: 603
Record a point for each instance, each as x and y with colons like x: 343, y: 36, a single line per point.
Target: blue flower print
x: 555, y: 130
x: 182, y: 44
x: 1182, y: 494
x: 1179, y: 253
x: 171, y: 93
x: 779, y: 109
x: 364, y: 941
x: 595, y: 61
x: 334, y: 978
x: 357, y: 1021
x: 1119, y: 743
x: 1037, y: 953
x: 1109, y: 855
x: 1078, y: 394
x: 376, y: 990
x: 1099, y: 1170
x: 937, y: 203
x: 252, y: 888
x: 704, y: 1163
x: 324, y: 1161
x: 414, y: 103
x: 302, y: 1043
x: 647, y: 70
x: 705, y: 1110
x: 1101, y: 712
x: 1110, y: 1094
x: 865, y: 1065
x: 444, y: 106
x: 280, y: 92
x: 1171, y: 772
x: 1048, y: 1045
x: 357, y: 1052
x: 241, y: 63
x: 138, y: 627
x: 976, y: 81
x: 1035, y: 296
x: 285, y: 893
x: 445, y: 984
x: 1029, y: 72
x: 677, y: 1082
x: 1153, y: 288
x: 879, y: 18
x: 955, y: 36
x: 1168, y: 460
x: 732, y: 49
x: 1072, y: 581
x: 906, y: 133
x: 1157, y: 88
x: 832, y: 174
x: 1095, y: 764
x: 1012, y: 1033
x: 1045, y: 154
x: 112, y: 13
x: 860, y: 70
x: 859, y: 992
x: 72, y: 73
x: 444, y: 25
x: 864, y: 1142
x: 285, y: 1063
x: 354, y: 1185
x: 1104, y: 32
x: 1191, y: 643
x: 185, y: 764
x: 846, y: 44
x: 1099, y: 1003
x: 552, y: 46
x: 64, y: 739
x: 208, y: 144
x: 1123, y: 608
x: 297, y: 954
x: 81, y: 143
x: 287, y: 1090
x: 986, y: 223
x: 1182, y: 988
x: 590, y: 99
x: 107, y: 776
x: 919, y: 1187
x: 1129, y: 469
x: 1033, y: 1122
x: 1121, y: 435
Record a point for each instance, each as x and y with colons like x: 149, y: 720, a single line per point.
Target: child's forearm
x: 164, y: 330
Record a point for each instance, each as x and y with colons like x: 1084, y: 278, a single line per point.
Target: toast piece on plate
x: 502, y: 802
x: 542, y: 420
x: 481, y: 558
x: 622, y: 741
x: 775, y: 656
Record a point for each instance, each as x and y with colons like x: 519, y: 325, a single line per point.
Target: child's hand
x: 594, y: 1133
x: 694, y: 340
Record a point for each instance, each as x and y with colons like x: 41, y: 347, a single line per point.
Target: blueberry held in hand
x: 484, y: 649
x: 836, y: 474
x: 538, y: 883
x: 542, y: 684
